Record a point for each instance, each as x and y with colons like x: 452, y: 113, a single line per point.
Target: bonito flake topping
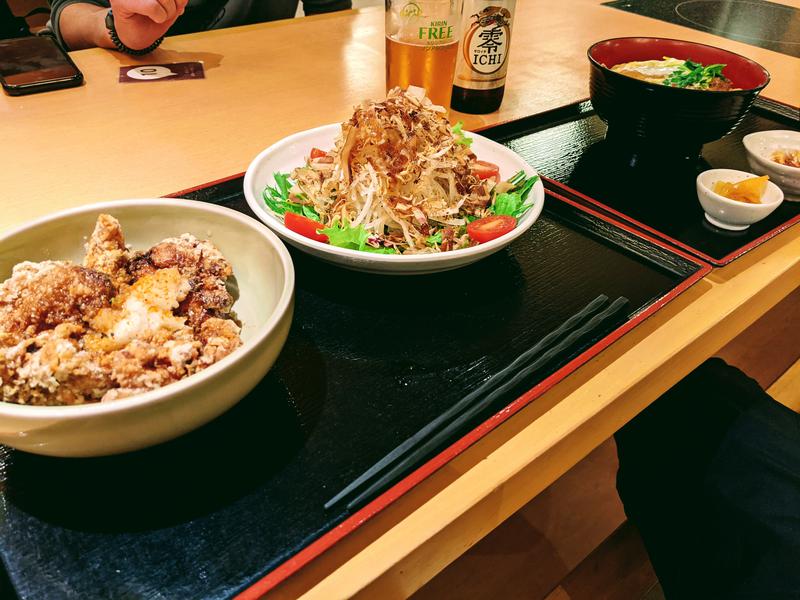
x: 400, y: 172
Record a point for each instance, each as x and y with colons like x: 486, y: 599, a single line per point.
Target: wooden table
x: 107, y: 140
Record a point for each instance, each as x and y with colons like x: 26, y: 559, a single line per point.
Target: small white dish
x: 760, y: 146
x: 291, y: 152
x: 732, y: 214
x: 265, y: 280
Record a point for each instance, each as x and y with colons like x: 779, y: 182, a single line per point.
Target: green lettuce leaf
x: 354, y: 238
x: 517, y: 178
x: 345, y: 236
x: 284, y: 185
x: 512, y: 202
x: 277, y: 199
x: 461, y: 138
x: 309, y: 212
x: 434, y: 239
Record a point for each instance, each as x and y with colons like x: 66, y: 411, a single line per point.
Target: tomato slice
x: 317, y: 153
x: 489, y: 228
x: 484, y: 169
x: 304, y: 226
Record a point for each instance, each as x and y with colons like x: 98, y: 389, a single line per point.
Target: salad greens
x: 434, y: 239
x: 460, y: 136
x: 277, y: 199
x: 354, y: 238
x: 512, y: 202
x: 692, y: 73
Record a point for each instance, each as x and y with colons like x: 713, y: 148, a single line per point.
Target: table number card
x: 161, y: 72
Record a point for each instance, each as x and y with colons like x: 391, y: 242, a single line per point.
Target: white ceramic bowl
x: 760, y: 146
x: 732, y: 214
x: 265, y: 276
x: 290, y: 152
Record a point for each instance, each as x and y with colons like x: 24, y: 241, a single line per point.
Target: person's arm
x: 57, y: 6
x: 82, y: 25
x: 315, y: 7
x: 139, y: 23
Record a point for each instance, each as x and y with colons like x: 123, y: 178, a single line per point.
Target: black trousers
x: 710, y: 475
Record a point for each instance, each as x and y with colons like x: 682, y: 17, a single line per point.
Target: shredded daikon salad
x: 399, y: 180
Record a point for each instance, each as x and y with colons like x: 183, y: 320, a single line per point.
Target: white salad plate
x: 292, y: 151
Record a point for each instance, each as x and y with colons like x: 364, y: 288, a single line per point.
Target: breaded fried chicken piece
x: 52, y: 369
x: 202, y: 264
x: 219, y: 337
x: 42, y: 295
x: 106, y: 251
x: 117, y: 326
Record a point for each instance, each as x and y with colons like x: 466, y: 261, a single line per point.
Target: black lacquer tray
x: 237, y: 506
x: 567, y: 146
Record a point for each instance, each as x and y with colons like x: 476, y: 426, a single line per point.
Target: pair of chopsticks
x: 580, y: 326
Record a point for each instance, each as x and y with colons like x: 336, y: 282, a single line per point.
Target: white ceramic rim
x: 10, y: 409
x: 749, y: 140
x: 527, y: 220
x: 737, y: 203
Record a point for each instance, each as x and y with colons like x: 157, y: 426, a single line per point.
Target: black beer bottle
x: 480, y: 77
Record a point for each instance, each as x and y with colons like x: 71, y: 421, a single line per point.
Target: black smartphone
x: 36, y: 64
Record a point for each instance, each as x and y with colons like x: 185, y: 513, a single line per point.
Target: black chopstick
x: 497, y: 379
x: 433, y: 441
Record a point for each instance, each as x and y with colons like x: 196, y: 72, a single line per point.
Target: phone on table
x: 36, y: 64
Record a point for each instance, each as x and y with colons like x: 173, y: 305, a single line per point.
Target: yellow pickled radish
x: 748, y: 190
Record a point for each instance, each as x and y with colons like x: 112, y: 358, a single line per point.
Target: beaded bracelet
x: 112, y: 31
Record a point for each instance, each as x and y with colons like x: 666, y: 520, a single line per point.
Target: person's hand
x: 139, y: 23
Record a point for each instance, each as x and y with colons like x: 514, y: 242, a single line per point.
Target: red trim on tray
x: 327, y: 540
x: 202, y: 187
x: 719, y: 262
